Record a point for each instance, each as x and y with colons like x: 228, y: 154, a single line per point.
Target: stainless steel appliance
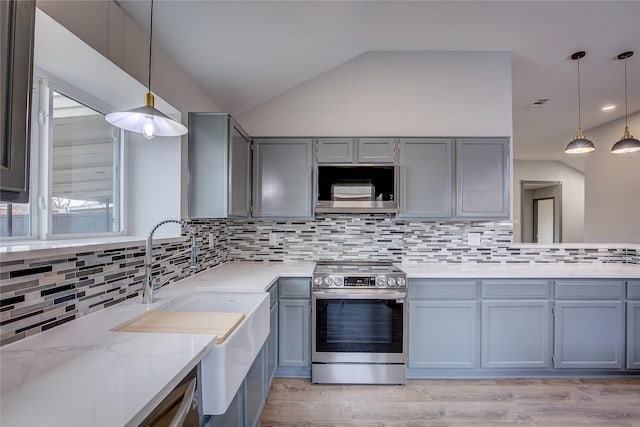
x: 356, y: 188
x: 359, y: 323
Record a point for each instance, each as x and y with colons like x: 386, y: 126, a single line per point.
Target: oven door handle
x: 360, y: 294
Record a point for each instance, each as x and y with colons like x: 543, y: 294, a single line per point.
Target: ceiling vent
x: 538, y: 102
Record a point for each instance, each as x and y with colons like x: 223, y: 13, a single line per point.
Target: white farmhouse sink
x: 223, y: 369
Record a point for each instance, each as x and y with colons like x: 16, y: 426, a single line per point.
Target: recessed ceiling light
x: 608, y: 108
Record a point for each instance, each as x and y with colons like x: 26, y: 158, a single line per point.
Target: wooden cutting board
x: 221, y: 324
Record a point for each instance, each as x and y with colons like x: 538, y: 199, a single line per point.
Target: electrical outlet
x: 273, y: 239
x: 211, y: 241
x: 473, y: 239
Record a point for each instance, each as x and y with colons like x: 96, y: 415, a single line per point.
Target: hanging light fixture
x: 627, y: 144
x: 147, y: 120
x: 580, y: 144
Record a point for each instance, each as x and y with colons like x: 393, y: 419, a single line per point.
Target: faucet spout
x: 148, y: 288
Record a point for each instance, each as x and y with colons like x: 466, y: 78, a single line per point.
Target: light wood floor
x: 540, y: 402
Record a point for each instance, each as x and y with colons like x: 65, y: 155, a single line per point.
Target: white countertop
x: 556, y: 270
x: 83, y: 374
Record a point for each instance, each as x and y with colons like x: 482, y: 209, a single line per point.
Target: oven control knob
x: 317, y: 281
x: 392, y: 282
x: 328, y: 281
x: 381, y: 281
x: 338, y: 281
x: 401, y: 282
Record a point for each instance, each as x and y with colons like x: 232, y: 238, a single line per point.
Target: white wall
x: 573, y: 195
x: 612, y: 183
x: 410, y: 93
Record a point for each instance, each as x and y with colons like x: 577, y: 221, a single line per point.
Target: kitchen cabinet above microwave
x: 355, y: 150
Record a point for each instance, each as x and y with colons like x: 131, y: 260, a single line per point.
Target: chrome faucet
x: 148, y: 288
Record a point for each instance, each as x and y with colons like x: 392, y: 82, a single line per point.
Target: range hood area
x: 357, y: 188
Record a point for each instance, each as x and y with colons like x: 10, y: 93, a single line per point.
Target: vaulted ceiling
x: 244, y: 53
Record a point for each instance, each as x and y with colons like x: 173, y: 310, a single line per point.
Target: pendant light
x: 580, y: 144
x: 147, y: 120
x: 628, y: 144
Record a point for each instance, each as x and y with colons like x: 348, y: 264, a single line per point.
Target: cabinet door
x: 334, y: 150
x: 254, y: 391
x: 426, y: 186
x: 515, y: 334
x: 282, y: 178
x: 482, y: 167
x: 443, y: 334
x: 376, y: 150
x: 272, y: 348
x: 633, y: 335
x: 239, y: 173
x: 589, y: 334
x: 293, y: 333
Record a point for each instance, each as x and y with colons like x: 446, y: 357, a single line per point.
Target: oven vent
x: 538, y: 102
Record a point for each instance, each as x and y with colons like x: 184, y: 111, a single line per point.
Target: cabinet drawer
x: 515, y: 289
x: 294, y: 287
x: 633, y: 289
x: 435, y: 289
x: 590, y: 289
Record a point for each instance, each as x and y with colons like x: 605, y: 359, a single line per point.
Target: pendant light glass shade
x: 627, y: 144
x: 580, y: 144
x: 147, y: 120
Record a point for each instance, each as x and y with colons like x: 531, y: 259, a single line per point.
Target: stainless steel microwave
x: 358, y: 188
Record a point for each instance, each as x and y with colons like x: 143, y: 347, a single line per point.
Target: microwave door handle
x: 398, y: 296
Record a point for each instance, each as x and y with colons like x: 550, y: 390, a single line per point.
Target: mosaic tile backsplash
x: 39, y: 294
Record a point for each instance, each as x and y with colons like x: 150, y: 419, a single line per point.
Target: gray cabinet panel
x: 426, y: 184
x: 633, y: 289
x: 294, y: 287
x: 589, y: 334
x: 254, y: 397
x: 482, y: 166
x: 334, y: 150
x: 516, y: 288
x: 293, y: 333
x: 219, y: 167
x: 442, y: 288
x: 282, y: 177
x: 376, y: 150
x: 633, y: 335
x: 234, y: 417
x: 590, y: 289
x: 515, y: 334
x: 443, y: 334
x: 271, y: 348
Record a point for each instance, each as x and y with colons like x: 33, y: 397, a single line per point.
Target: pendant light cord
x: 579, y: 122
x: 150, y: 44
x: 626, y: 113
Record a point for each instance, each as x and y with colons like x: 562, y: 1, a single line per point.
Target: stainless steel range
x: 359, y: 323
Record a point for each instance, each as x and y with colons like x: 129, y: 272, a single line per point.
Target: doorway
x: 541, y: 211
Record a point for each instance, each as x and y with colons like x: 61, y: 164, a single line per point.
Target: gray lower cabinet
x: 443, y: 330
x: 426, y: 184
x: 376, y: 150
x: 219, y: 167
x: 633, y: 324
x: 443, y: 334
x: 482, y: 180
x: 589, y: 326
x: 294, y: 327
x: 282, y: 178
x: 254, y: 390
x: 515, y: 334
x: 272, y: 346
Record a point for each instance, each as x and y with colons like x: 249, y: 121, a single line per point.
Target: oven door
x: 358, y: 326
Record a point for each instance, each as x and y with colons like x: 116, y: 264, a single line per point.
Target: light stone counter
x: 551, y: 271
x: 83, y: 374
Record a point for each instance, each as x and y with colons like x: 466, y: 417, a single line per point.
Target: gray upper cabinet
x: 282, y: 180
x: 376, y: 150
x: 219, y: 167
x: 426, y: 184
x: 482, y: 177
x: 17, y: 23
x: 334, y: 150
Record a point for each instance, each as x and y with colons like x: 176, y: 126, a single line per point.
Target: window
x: 75, y: 169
